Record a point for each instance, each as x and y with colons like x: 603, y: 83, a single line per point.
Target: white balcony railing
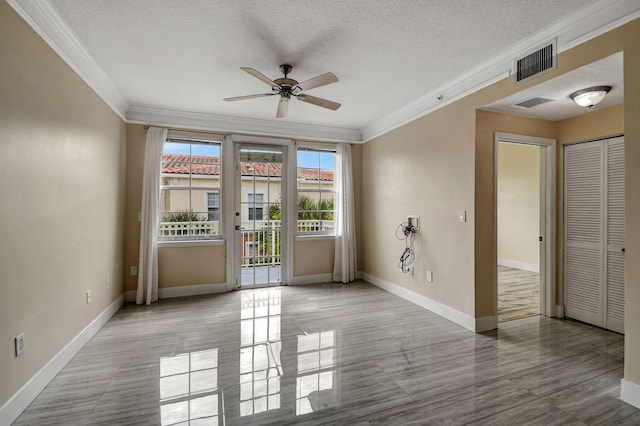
x: 261, y: 239
x: 185, y: 229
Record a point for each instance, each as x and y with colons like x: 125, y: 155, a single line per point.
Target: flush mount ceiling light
x: 590, y: 96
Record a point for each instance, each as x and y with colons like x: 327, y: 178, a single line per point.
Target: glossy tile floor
x: 518, y: 294
x: 332, y: 354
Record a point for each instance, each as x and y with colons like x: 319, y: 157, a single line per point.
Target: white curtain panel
x: 148, y: 263
x: 344, y: 266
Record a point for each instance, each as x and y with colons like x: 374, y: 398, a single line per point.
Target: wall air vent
x: 535, y: 63
x: 530, y: 103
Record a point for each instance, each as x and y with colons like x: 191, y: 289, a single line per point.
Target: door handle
x: 623, y: 249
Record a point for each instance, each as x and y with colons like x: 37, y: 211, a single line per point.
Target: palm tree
x: 326, y: 209
x: 307, y: 208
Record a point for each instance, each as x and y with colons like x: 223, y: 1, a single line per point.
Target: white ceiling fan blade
x: 260, y: 76
x: 283, y: 107
x: 319, y: 101
x: 239, y: 98
x: 321, y: 80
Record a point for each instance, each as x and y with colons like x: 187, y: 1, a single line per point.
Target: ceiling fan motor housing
x: 285, y: 69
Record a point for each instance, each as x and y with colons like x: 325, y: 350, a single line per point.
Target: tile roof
x: 208, y: 165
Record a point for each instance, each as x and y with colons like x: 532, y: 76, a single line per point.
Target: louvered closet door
x: 594, y: 233
x: 583, y: 230
x: 614, y: 284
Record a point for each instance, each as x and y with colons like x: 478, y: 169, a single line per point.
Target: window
x: 190, y: 190
x: 256, y: 206
x: 213, y: 206
x: 316, y: 191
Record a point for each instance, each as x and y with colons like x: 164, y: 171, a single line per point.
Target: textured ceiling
x: 186, y: 55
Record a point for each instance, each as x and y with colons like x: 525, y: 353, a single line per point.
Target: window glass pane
x: 327, y: 160
x: 190, y: 199
x: 310, y: 159
x: 256, y: 207
x: 316, y: 191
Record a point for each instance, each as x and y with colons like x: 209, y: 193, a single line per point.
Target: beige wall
x: 178, y: 266
x: 519, y: 204
x: 424, y: 168
x: 61, y: 202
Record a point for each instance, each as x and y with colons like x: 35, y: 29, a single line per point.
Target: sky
x: 311, y: 159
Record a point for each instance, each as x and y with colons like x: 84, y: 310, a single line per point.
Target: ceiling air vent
x: 530, y: 103
x: 535, y: 63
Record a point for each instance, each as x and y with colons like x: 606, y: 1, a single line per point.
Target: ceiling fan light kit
x: 287, y: 87
x: 590, y: 96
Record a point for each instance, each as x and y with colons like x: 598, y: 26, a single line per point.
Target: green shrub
x: 183, y: 216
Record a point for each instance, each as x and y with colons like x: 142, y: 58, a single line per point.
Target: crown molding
x: 228, y: 124
x: 588, y: 23
x: 48, y: 24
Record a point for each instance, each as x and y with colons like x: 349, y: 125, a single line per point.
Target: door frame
x: 547, y: 218
x: 233, y: 249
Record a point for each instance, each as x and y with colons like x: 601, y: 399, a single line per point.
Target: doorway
x: 259, y: 215
x: 525, y: 226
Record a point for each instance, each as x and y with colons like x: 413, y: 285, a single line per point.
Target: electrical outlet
x: 107, y: 280
x: 133, y: 270
x: 430, y: 276
x: 88, y: 296
x: 19, y: 341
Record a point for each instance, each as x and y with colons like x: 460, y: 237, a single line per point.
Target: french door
x: 259, y: 214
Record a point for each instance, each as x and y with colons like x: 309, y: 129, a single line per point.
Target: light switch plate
x: 462, y: 216
x: 414, y: 221
x: 19, y: 343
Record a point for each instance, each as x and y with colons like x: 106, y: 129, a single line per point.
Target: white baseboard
x: 183, y: 291
x: 191, y: 290
x: 531, y: 267
x: 10, y: 411
x: 313, y: 279
x: 630, y: 393
x: 444, y: 311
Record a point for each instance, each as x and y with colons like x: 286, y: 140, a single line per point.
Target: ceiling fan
x: 288, y: 87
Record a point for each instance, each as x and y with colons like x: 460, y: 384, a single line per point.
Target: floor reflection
x: 316, y: 384
x: 260, y: 349
x: 189, y: 389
